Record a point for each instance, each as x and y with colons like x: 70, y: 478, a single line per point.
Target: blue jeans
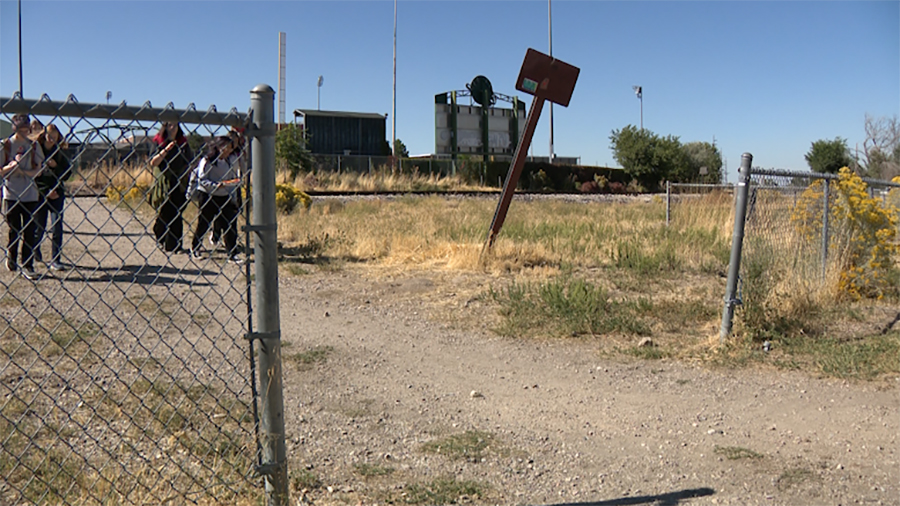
x: 54, y: 209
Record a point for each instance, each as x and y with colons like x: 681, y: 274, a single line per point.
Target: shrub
x: 635, y: 187
x: 616, y: 187
x: 589, y: 187
x: 862, y: 230
x: 287, y: 197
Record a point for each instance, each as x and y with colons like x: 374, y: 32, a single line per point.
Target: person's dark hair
x: 162, y: 137
x: 214, y: 147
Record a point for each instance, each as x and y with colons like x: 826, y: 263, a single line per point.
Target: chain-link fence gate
x: 126, y: 372
x: 807, y: 234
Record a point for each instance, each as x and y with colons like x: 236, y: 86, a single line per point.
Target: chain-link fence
x: 125, y: 373
x: 808, y: 237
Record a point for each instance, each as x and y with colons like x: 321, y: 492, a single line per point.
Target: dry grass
x: 556, y: 264
x: 381, y: 180
x: 439, y: 233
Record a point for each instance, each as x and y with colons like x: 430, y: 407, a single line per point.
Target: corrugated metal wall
x: 336, y: 135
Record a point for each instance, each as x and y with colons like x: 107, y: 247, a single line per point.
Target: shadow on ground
x: 670, y: 499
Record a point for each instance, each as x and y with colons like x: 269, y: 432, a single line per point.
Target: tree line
x: 651, y: 159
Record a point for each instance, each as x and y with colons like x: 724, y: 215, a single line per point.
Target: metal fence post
x: 264, y: 226
x: 737, y: 242
x: 827, y: 185
x: 668, y: 201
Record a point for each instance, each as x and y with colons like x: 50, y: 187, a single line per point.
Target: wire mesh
x: 811, y: 236
x: 124, y: 373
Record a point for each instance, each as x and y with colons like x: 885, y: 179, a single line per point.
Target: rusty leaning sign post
x: 546, y: 78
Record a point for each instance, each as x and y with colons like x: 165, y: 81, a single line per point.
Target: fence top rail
x: 146, y: 112
x: 702, y: 185
x: 755, y: 171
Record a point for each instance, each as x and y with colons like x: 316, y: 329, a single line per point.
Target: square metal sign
x: 546, y: 77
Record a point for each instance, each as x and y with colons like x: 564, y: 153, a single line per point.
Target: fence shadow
x: 141, y: 275
x: 670, y: 499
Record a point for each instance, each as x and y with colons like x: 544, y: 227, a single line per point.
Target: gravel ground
x: 564, y: 425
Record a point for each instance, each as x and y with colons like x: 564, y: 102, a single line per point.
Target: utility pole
x: 550, y: 33
x: 639, y: 92
x: 394, y: 100
x: 21, y: 93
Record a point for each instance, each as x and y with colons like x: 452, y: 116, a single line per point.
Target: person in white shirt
x: 216, y: 185
x: 21, y: 160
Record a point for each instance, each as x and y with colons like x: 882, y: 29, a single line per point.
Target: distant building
x: 344, y: 133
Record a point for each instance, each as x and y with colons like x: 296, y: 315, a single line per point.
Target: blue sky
x: 764, y: 77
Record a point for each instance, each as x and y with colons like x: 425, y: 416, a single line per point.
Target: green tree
x: 400, y: 149
x: 195, y: 141
x: 703, y: 154
x: 291, y: 151
x: 649, y: 158
x: 829, y: 156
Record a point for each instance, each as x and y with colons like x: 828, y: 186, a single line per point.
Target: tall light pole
x: 21, y: 94
x: 638, y: 91
x: 318, y: 91
x: 550, y: 33
x: 394, y: 98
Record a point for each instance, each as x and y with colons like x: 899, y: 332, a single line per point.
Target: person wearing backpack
x: 53, y: 194
x: 171, y: 162
x: 21, y: 160
x: 215, y: 182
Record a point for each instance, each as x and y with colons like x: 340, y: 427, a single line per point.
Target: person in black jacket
x: 172, y: 162
x: 52, y: 195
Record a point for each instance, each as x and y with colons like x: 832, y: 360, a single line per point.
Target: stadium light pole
x: 394, y: 99
x: 318, y: 92
x: 21, y: 93
x: 639, y: 92
x: 550, y: 36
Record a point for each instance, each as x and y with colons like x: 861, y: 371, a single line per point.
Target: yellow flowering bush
x: 287, y: 197
x: 130, y: 195
x: 113, y: 195
x: 862, y: 230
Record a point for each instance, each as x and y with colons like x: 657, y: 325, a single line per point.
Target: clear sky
x: 763, y: 77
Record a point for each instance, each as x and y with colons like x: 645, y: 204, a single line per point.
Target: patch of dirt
x: 413, y: 362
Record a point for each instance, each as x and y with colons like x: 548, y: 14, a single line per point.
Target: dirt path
x: 563, y: 424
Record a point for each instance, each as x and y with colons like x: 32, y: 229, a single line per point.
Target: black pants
x: 22, y: 227
x: 169, y: 226
x: 222, y: 214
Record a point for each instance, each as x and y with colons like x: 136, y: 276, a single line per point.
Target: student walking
x: 216, y: 182
x: 52, y: 195
x: 21, y: 160
x: 172, y: 163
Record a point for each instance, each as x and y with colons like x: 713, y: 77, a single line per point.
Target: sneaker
x: 236, y: 259
x: 11, y: 265
x: 213, y: 241
x: 29, y: 273
x: 195, y: 253
x: 56, y: 266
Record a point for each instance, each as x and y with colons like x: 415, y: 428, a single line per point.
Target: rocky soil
x: 380, y: 365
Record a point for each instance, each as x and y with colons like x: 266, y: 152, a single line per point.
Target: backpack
x: 7, y: 150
